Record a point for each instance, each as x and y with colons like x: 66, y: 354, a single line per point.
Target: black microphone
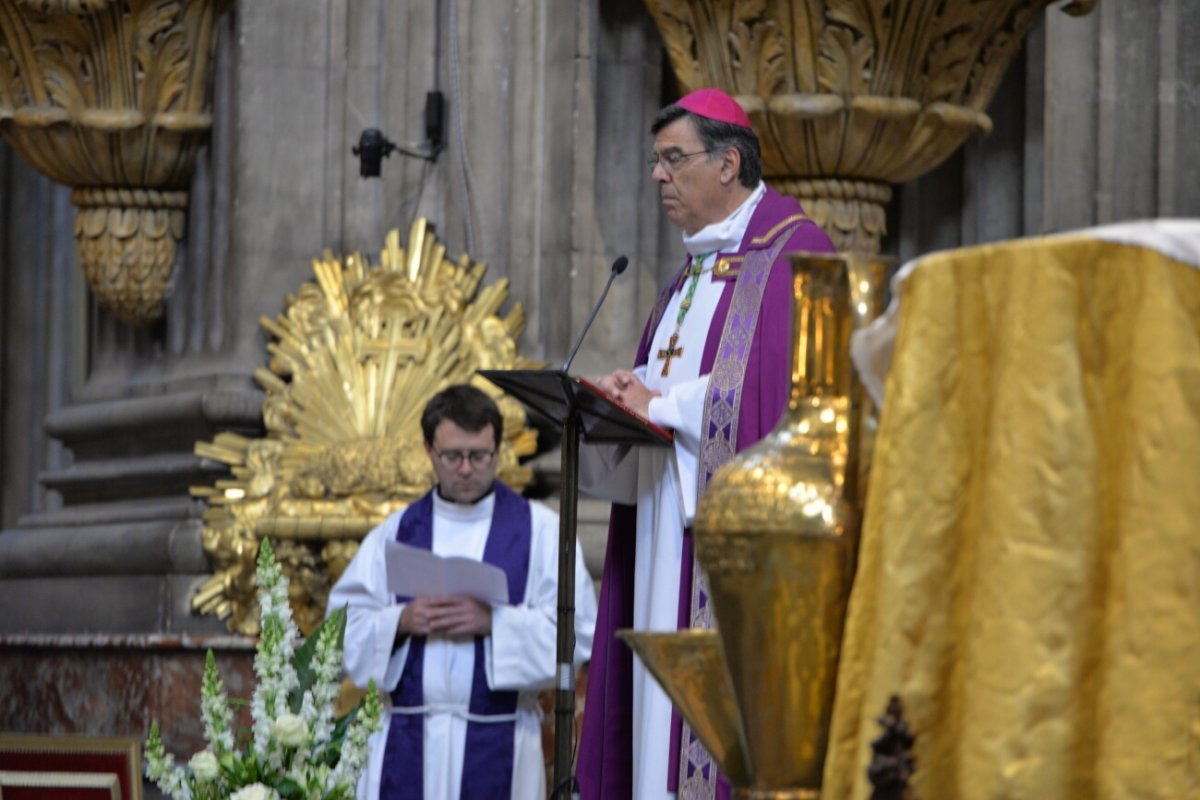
x: 617, y: 268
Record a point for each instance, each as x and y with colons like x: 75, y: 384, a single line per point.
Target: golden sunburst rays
x: 353, y: 358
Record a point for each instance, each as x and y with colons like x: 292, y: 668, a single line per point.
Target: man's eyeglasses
x: 453, y: 459
x: 672, y: 159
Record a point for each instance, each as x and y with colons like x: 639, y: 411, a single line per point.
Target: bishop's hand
x: 627, y: 387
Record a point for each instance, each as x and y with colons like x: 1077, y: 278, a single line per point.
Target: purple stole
x: 747, y: 354
x: 488, y: 761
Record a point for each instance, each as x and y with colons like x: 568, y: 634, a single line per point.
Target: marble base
x: 117, y: 685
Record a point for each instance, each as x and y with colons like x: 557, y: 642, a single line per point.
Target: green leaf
x: 342, y: 723
x: 153, y: 741
x: 289, y: 789
x: 266, y: 556
x: 302, y: 660
x: 332, y: 754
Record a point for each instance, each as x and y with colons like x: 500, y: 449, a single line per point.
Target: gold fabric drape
x: 1029, y: 574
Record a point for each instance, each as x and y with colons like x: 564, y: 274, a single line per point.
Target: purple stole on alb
x: 488, y: 761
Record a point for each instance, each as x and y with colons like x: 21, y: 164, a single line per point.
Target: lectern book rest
x: 554, y: 394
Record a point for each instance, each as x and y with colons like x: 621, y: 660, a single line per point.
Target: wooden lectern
x: 586, y: 413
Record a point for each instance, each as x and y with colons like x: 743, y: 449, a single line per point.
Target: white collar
x: 461, y: 512
x: 726, y: 234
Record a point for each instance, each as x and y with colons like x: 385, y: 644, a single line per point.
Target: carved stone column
x: 851, y: 97
x: 112, y: 98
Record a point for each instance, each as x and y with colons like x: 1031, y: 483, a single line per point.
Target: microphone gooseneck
x: 617, y: 268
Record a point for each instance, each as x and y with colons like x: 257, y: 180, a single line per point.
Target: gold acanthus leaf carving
x: 680, y: 35
x: 353, y: 358
x: 135, y: 70
x: 757, y: 50
x: 845, y: 61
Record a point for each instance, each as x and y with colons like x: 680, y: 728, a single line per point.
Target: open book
x: 416, y: 572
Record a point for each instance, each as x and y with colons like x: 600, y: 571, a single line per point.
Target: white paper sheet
x: 416, y: 572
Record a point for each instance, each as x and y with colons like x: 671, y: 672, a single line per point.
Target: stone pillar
x: 1094, y: 124
x: 100, y: 547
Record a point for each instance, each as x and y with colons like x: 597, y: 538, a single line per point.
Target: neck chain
x: 672, y: 351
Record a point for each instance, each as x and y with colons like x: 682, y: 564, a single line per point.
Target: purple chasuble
x: 488, y: 761
x: 606, y: 748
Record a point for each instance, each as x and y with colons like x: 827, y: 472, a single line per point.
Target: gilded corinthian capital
x: 112, y: 99
x: 851, y: 97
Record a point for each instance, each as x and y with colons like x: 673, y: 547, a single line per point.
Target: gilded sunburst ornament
x: 353, y: 359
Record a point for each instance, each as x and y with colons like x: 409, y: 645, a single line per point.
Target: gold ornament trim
x: 354, y: 357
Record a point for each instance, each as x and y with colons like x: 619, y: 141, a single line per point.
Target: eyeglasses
x: 672, y: 159
x: 453, y: 459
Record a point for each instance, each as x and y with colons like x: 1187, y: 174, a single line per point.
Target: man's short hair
x: 465, y: 406
x: 718, y: 136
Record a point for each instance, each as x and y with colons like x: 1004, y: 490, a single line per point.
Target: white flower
x: 354, y: 750
x: 290, y: 730
x: 204, y: 766
x: 160, y: 768
x: 318, y: 702
x: 255, y: 791
x: 276, y: 647
x: 214, y: 709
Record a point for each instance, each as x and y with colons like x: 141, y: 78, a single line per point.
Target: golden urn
x: 776, y: 533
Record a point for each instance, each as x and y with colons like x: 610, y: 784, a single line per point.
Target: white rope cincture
x: 462, y: 712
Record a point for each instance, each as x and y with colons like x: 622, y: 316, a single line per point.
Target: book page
x: 416, y: 572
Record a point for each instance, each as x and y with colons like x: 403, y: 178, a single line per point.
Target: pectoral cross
x: 671, y: 352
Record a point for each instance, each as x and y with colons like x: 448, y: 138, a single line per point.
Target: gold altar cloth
x: 1029, y: 574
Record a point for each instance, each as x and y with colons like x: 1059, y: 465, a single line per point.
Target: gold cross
x: 671, y: 352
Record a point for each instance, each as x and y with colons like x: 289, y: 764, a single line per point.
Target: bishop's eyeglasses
x: 671, y: 160
x: 453, y: 459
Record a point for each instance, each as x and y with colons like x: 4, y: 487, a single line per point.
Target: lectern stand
x: 584, y: 412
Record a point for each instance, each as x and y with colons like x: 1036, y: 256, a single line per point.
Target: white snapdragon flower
x: 205, y: 767
x: 354, y: 749
x: 318, y: 702
x: 214, y: 708
x: 160, y: 768
x: 273, y: 660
